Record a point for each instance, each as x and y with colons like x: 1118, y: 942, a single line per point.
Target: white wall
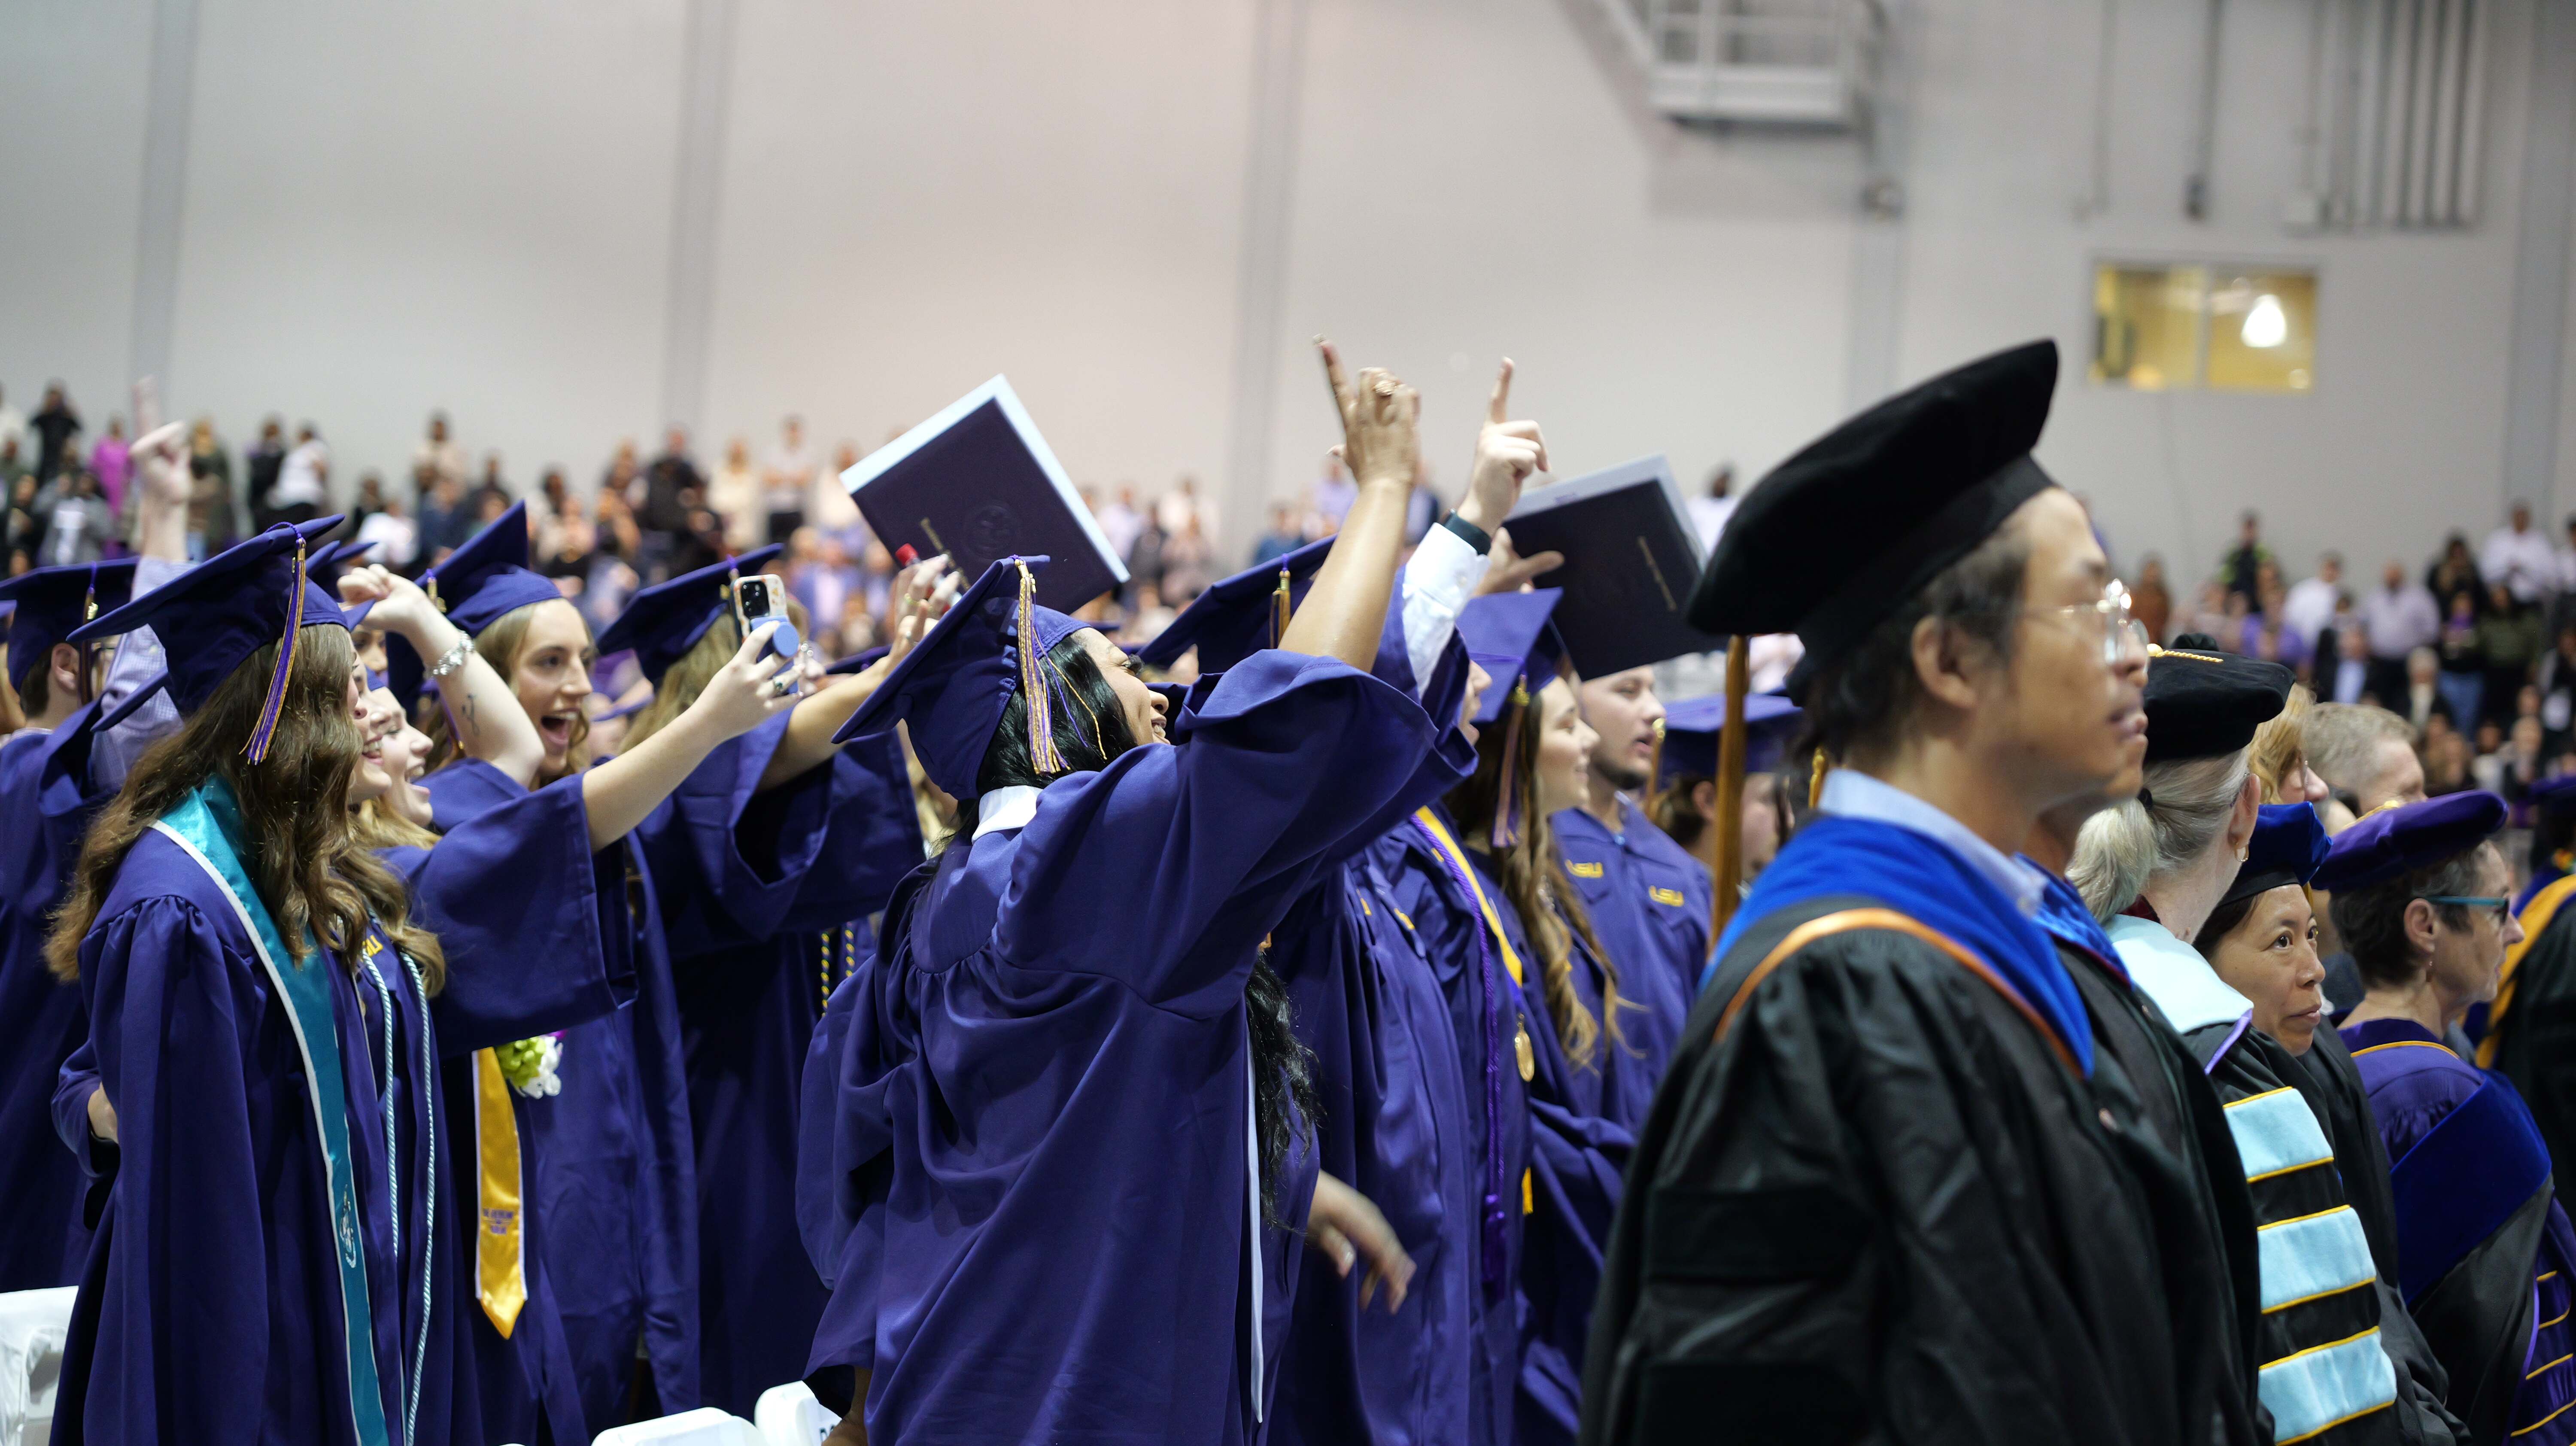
x: 469, y: 206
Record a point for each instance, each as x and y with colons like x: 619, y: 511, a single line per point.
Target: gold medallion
x: 1522, y: 1049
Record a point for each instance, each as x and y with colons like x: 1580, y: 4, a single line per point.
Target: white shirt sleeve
x: 1438, y: 580
x: 138, y: 661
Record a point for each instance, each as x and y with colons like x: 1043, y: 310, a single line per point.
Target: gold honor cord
x: 500, y: 1272
x: 1525, y: 1054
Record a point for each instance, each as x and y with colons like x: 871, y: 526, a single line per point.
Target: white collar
x: 1006, y: 808
x: 2173, y: 974
x: 1854, y: 794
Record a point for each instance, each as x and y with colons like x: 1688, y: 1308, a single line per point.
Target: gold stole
x: 500, y: 1273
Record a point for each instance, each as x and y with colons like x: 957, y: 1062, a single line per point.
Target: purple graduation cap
x: 955, y: 682
x: 978, y: 483
x: 2393, y: 841
x: 52, y: 601
x: 859, y: 662
x: 1242, y: 614
x: 2288, y: 847
x: 662, y: 622
x: 486, y: 576
x: 211, y: 618
x: 1691, y: 727
x: 1513, y: 637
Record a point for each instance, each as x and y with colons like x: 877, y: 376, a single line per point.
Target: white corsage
x: 530, y: 1065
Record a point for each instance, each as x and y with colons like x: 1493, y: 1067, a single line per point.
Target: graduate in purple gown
x: 1685, y: 796
x: 274, y: 1264
x: 1368, y: 1007
x: 770, y: 865
x: 1068, y: 1103
x: 42, y: 1237
x: 1530, y: 768
x: 2422, y: 898
x: 1647, y: 898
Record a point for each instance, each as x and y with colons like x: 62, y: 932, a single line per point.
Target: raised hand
x: 923, y: 594
x: 400, y: 605
x: 160, y: 458
x: 745, y: 691
x: 1511, y: 572
x: 1507, y: 453
x: 1381, y: 419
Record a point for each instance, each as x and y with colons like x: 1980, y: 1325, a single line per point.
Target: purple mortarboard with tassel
x: 213, y: 617
x: 52, y: 602
x: 662, y: 622
x: 955, y: 683
x: 1513, y: 637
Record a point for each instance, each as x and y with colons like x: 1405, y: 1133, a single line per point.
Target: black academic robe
x: 1880, y: 1207
x: 2532, y: 1039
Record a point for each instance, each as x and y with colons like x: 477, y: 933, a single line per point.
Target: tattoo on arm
x: 469, y: 709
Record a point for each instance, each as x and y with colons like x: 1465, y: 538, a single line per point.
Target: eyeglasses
x: 2120, y: 633
x: 2502, y: 908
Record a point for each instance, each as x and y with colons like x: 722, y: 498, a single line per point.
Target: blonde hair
x: 500, y: 645
x: 684, y: 680
x: 2280, y: 745
x: 2121, y: 848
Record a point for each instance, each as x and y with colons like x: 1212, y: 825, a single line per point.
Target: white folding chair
x: 789, y: 1415
x: 33, y: 1324
x: 705, y: 1426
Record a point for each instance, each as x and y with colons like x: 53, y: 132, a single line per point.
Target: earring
x: 2245, y: 853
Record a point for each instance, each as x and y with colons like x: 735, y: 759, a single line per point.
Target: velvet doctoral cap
x: 2208, y: 704
x: 213, y: 617
x: 955, y: 683
x: 2392, y: 841
x: 2288, y: 847
x: 662, y: 622
x: 52, y: 601
x: 1836, y: 539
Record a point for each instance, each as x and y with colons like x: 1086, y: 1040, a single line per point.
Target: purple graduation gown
x: 1039, y: 1168
x: 210, y: 1309
x: 767, y: 900
x: 1649, y: 902
x: 46, y: 803
x: 1578, y: 1155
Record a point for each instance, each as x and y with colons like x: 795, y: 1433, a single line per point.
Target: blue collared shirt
x: 1857, y: 795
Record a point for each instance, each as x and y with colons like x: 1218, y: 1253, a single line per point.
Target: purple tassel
x: 261, y: 736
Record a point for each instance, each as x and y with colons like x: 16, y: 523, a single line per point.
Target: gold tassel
x: 1279, y: 610
x: 1816, y: 772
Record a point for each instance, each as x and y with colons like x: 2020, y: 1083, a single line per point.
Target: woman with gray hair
x: 2341, y: 1360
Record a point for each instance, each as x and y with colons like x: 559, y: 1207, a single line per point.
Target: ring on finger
x: 783, y: 684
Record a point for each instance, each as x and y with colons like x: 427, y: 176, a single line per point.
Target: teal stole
x: 208, y: 824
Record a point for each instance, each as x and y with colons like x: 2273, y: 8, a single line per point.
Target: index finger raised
x: 1333, y: 375
x: 1499, y: 409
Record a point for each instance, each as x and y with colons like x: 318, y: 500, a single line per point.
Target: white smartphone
x: 762, y: 598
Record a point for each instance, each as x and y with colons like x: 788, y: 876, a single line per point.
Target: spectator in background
x: 2365, y: 755
x: 2212, y: 614
x: 22, y: 531
x: 492, y: 486
x: 2150, y: 602
x: 396, y: 539
x: 733, y: 492
x: 13, y: 464
x: 1334, y: 494
x: 1182, y: 506
x: 446, y: 518
x: 624, y: 475
x: 1188, y: 563
x: 2400, y: 617
x: 551, y: 513
x: 1121, y: 522
x: 212, y: 526
x: 370, y: 499
x: 1282, y: 537
x: 2511, y: 638
x: 439, y: 453
x: 2455, y: 574
x: 787, y: 480
x: 55, y: 424
x: 672, y: 489
x: 108, y: 458
x: 262, y: 461
x: 822, y: 577
x: 2447, y: 760
x: 2350, y: 650
x: 2310, y: 605
x: 2463, y: 668
x: 75, y: 517
x: 2520, y: 559
x: 2556, y: 681
x: 2238, y: 570
x: 303, y: 489
x: 13, y: 427
x: 1145, y: 560
x: 830, y: 507
x: 1710, y: 514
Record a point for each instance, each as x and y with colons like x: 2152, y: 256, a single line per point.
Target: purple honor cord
x: 1496, y: 1223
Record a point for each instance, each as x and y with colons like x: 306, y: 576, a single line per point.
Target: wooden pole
x: 1730, y: 790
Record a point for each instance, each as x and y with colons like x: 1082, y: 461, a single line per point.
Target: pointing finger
x: 1499, y: 408
x: 1333, y: 375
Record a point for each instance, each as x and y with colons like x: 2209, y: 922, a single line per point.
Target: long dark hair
x: 1534, y: 877
x: 1090, y: 730
x: 310, y: 868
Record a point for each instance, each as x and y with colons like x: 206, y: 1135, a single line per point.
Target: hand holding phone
x: 762, y: 598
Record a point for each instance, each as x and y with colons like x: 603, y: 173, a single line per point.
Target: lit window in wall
x: 2159, y: 327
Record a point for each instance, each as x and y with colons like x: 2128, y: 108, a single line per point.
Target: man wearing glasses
x: 2486, y: 1259
x: 1884, y: 1192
